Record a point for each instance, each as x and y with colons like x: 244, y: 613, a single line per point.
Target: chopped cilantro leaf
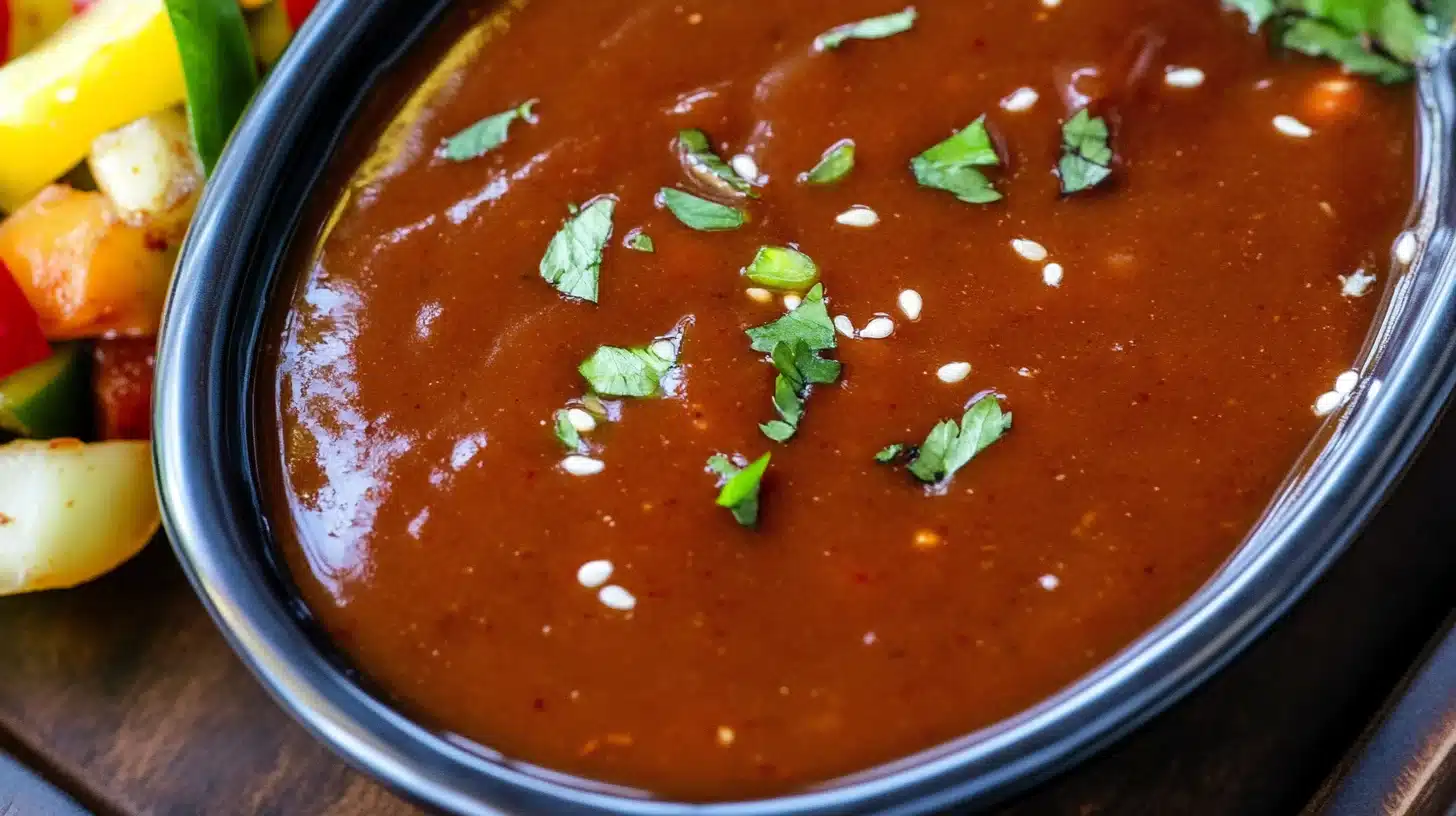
x: 573, y: 259
x: 700, y: 213
x: 782, y: 268
x: 1383, y: 39
x: 808, y: 323
x: 485, y: 135
x: 950, y: 446
x: 874, y: 28
x: 834, y: 165
x: 1257, y: 11
x: 640, y: 241
x: 1086, y: 156
x: 799, y: 367
x: 697, y: 156
x: 740, y: 492
x: 628, y: 372
x: 890, y: 453
x: 951, y: 165
x: 1320, y: 39
x: 566, y: 432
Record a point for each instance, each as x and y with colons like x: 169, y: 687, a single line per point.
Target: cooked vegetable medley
x: 111, y: 114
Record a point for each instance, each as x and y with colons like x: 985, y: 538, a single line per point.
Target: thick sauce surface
x: 1160, y: 392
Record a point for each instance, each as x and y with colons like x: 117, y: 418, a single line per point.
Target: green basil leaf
x: 485, y: 135
x: 573, y: 259
x: 834, y: 165
x: 695, y: 151
x: 566, y: 432
x: 640, y: 241
x: 1086, y: 157
x: 218, y: 69
x: 740, y: 493
x: 809, y: 323
x: 949, y: 446
x: 875, y: 28
x: 700, y: 213
x: 613, y: 371
x: 782, y: 268
x: 951, y: 165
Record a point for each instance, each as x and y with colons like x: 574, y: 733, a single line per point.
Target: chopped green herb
x: 740, y: 491
x: 950, y: 446
x: 573, y: 259
x: 1384, y: 39
x: 218, y: 69
x: 700, y: 213
x: 875, y: 28
x: 485, y: 135
x: 890, y: 453
x: 951, y: 165
x: 566, y: 432
x: 1257, y: 11
x: 809, y: 323
x: 640, y: 241
x: 628, y: 372
x: 1086, y: 157
x: 799, y: 367
x: 1320, y: 39
x: 698, y: 158
x: 782, y: 268
x: 834, y: 165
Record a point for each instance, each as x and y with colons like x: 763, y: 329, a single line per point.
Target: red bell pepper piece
x: 22, y: 343
x: 298, y: 11
x: 121, y: 380
x: 5, y: 26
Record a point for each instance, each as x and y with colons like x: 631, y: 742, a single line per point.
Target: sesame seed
x: 911, y: 303
x: 791, y: 302
x: 858, y: 216
x: 745, y: 167
x: 1049, y: 582
x: 1405, y: 247
x: 593, y: 574
x: 1290, y: 126
x: 759, y: 295
x: 582, y: 465
x: 1328, y: 402
x: 614, y: 597
x: 1183, y: 77
x: 878, y: 329
x: 582, y: 421
x: 953, y: 372
x: 726, y: 736
x: 843, y: 325
x: 1357, y: 284
x: 1028, y: 249
x: 1051, y: 274
x: 1023, y: 372
x: 1346, y: 382
x: 1020, y: 99
x: 869, y: 638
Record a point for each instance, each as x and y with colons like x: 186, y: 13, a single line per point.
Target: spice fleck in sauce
x: 1161, y: 340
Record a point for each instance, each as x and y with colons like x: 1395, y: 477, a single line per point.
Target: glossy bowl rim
x: 205, y: 476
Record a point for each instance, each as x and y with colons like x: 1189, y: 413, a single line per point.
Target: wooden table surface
x: 124, y: 696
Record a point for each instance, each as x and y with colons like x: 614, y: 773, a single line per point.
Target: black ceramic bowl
x: 210, y: 487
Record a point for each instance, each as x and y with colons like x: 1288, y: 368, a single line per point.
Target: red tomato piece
x: 298, y: 11
x: 4, y: 31
x: 22, y: 343
x: 122, y: 383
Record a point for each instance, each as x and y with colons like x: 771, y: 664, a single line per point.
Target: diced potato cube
x: 150, y: 172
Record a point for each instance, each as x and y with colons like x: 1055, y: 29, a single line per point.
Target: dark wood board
x: 125, y: 696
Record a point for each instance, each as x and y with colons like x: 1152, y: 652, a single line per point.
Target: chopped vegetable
x: 704, y: 166
x: 951, y: 165
x: 741, y: 488
x: 1086, y: 157
x: 29, y: 23
x: 150, y: 172
x: 298, y: 11
x: 891, y: 453
x: 219, y: 69
x: 86, y: 272
x: 875, y: 28
x: 487, y: 134
x: 700, y: 213
x: 950, y: 446
x: 22, y: 341
x: 630, y: 372
x: 110, y: 66
x: 809, y: 323
x: 47, y: 399
x: 1384, y: 39
x: 834, y: 165
x: 799, y: 367
x: 121, y: 379
x: 782, y: 268
x: 573, y: 260
x: 640, y: 241
x: 566, y: 432
x: 71, y: 511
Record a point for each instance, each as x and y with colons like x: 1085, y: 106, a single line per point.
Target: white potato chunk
x: 70, y: 512
x: 150, y: 172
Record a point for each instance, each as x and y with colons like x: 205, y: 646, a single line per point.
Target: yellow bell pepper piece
x: 111, y: 65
